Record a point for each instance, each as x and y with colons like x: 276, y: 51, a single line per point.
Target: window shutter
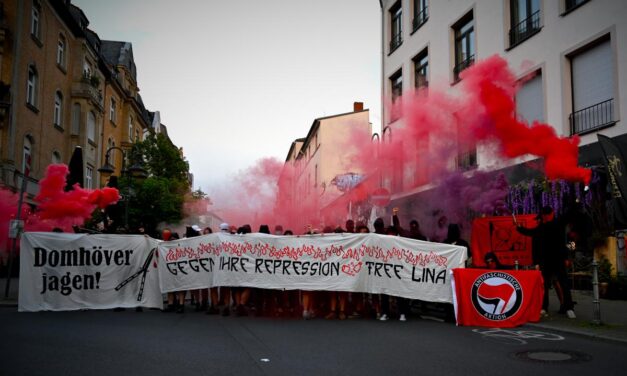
x: 592, y: 76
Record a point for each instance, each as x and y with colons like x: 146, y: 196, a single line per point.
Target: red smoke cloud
x: 78, y: 203
x: 55, y: 208
x: 493, y: 82
x: 437, y: 126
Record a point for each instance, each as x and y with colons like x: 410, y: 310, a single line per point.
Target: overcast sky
x: 239, y: 80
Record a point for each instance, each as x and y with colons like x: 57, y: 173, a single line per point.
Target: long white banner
x: 337, y: 262
x: 76, y: 271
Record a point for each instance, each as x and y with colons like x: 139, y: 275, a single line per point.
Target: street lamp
x: 135, y: 171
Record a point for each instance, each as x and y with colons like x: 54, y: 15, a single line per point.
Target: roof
x: 302, y: 139
x: 119, y: 53
x: 316, y: 124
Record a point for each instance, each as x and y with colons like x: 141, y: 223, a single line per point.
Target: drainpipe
x: 14, y: 81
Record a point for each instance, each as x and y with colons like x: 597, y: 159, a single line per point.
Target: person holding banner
x: 550, y: 256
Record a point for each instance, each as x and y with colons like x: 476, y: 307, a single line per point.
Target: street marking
x: 518, y: 337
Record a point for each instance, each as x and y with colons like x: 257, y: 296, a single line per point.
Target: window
x: 464, y: 32
x: 570, y: 5
x: 396, y: 85
x: 86, y: 69
x: 112, y: 110
x: 396, y: 16
x: 592, y: 88
x: 61, y: 52
x: 110, y: 144
x: 35, y: 20
x: 530, y: 100
x: 58, y: 108
x: 26, y: 155
x: 89, y: 175
x: 421, y: 69
x: 130, y: 128
x: 525, y: 20
x: 31, y: 86
x: 421, y: 13
x: 91, y: 127
x: 56, y: 157
x: 76, y: 119
x: 137, y: 135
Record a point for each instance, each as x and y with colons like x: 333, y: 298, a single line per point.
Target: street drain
x: 553, y: 356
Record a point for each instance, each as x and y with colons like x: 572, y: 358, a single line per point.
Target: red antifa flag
x: 499, y: 235
x: 497, y: 298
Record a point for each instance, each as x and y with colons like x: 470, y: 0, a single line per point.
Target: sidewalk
x: 11, y: 301
x: 613, y: 317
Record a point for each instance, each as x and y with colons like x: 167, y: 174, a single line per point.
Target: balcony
x: 396, y: 41
x: 420, y: 19
x: 571, y: 5
x: 524, y: 29
x: 592, y: 118
x: 463, y: 65
x: 85, y: 89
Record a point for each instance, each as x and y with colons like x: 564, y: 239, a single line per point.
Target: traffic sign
x: 380, y: 197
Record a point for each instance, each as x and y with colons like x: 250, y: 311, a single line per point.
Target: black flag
x: 617, y: 176
x: 75, y: 175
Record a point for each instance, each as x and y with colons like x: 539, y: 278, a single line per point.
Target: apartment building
x: 61, y: 87
x: 309, y: 180
x: 575, y: 50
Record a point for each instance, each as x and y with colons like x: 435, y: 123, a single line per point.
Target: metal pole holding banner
x: 15, y: 229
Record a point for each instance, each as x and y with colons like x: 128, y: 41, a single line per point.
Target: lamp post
x: 136, y: 170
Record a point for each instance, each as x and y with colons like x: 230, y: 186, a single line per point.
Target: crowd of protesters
x: 341, y: 305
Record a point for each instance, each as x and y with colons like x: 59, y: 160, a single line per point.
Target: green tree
x: 160, y: 197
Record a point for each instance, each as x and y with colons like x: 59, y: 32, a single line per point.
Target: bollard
x: 596, y: 303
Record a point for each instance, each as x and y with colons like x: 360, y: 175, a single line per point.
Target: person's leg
x: 562, y: 278
x: 385, y: 307
x: 403, y: 307
x: 342, y: 297
x: 332, y: 297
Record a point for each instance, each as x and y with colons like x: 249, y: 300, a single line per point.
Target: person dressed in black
x: 550, y: 256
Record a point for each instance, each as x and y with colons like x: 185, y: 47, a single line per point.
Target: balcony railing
x: 463, y: 65
x: 420, y: 19
x: 592, y: 118
x: 396, y: 41
x: 524, y: 29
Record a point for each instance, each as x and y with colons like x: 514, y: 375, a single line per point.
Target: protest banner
x: 499, y: 235
x: 61, y: 271
x: 335, y: 262
x: 497, y: 298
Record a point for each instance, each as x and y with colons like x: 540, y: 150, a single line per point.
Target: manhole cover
x: 553, y: 356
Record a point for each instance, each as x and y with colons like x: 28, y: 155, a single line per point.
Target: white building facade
x: 576, y: 50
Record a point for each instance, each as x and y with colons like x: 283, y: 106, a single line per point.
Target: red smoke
x: 493, y: 81
x: 79, y: 203
x: 250, y: 197
x: 419, y: 153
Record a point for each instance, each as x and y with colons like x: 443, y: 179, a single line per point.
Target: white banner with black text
x: 367, y: 263
x: 61, y: 271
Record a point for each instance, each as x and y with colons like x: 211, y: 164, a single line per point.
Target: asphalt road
x: 154, y: 343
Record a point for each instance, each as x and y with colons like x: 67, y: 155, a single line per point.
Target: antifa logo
x: 496, y: 296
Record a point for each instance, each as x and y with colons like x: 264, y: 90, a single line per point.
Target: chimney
x: 358, y: 106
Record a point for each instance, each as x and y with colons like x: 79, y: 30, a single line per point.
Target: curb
x: 579, y: 332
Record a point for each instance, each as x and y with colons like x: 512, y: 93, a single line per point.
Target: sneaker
x: 212, y: 311
x: 543, y: 313
x: 306, y: 315
x: 180, y: 309
x: 383, y: 317
x: 330, y: 316
x: 402, y: 318
x: 342, y: 315
x: 225, y: 311
x: 571, y: 314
